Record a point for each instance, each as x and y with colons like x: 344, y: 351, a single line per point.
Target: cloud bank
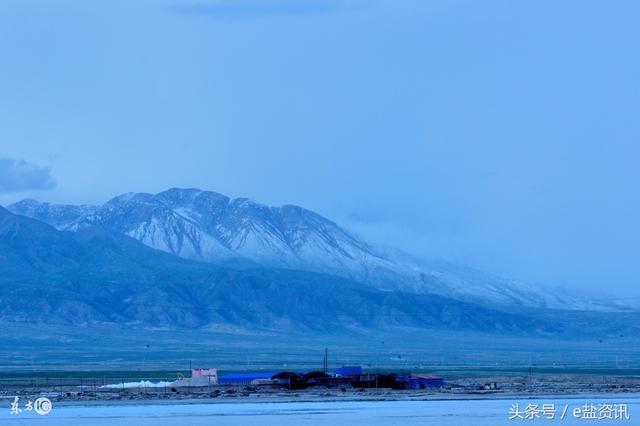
x: 19, y: 175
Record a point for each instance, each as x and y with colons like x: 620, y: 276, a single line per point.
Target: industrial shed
x: 378, y: 380
x: 425, y: 381
x: 316, y: 378
x: 289, y: 380
x: 348, y: 370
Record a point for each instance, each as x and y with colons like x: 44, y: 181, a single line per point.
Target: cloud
x: 20, y: 175
x: 242, y: 9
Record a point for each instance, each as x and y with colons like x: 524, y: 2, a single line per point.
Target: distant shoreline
x: 255, y: 394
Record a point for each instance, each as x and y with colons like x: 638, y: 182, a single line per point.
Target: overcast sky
x: 502, y: 135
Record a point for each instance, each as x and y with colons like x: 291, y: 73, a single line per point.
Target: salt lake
x: 333, y: 413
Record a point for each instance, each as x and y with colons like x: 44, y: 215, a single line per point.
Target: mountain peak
x: 182, y: 197
x: 179, y: 193
x: 30, y: 202
x: 129, y: 197
x: 206, y: 225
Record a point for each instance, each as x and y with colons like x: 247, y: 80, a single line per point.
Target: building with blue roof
x: 245, y: 378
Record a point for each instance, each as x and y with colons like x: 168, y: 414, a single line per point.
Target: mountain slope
x: 211, y: 227
x: 94, y: 276
x: 204, y: 225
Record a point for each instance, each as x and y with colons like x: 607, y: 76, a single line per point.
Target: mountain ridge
x: 211, y: 227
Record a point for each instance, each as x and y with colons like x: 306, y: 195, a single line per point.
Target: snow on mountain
x: 208, y: 226
x: 65, y: 217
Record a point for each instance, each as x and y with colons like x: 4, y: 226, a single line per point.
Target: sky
x: 501, y: 135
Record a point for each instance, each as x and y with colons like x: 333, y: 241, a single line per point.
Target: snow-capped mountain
x: 211, y: 227
x: 208, y: 226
